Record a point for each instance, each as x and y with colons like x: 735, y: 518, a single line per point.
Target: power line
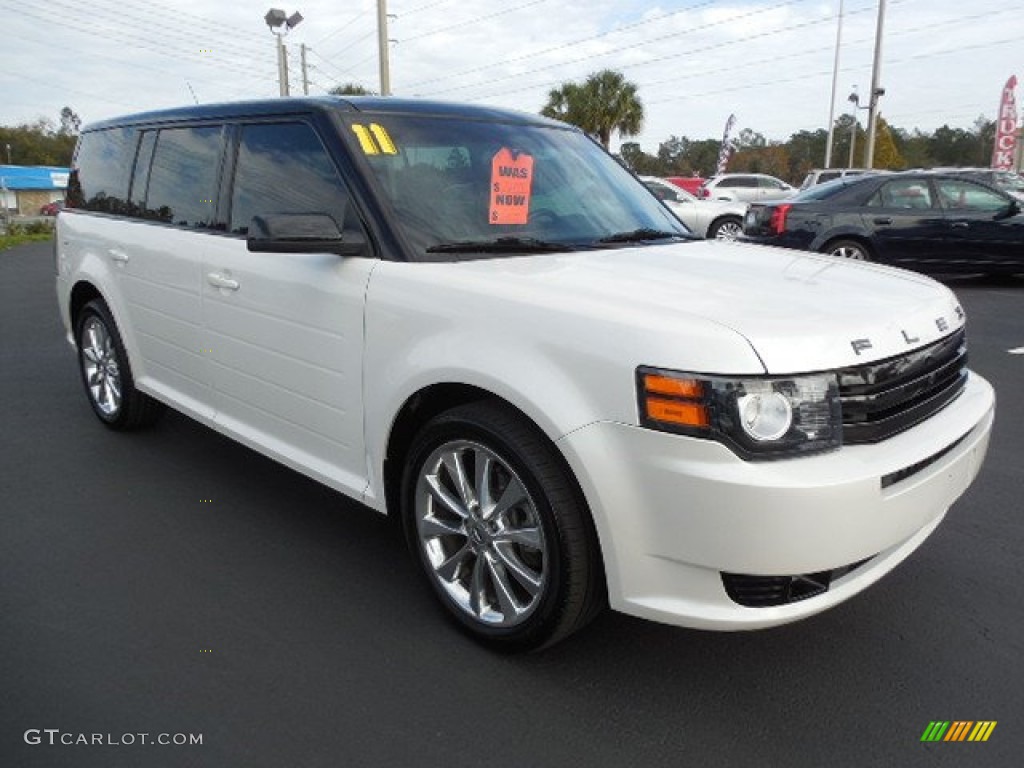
x: 563, y: 46
x: 166, y: 50
x: 469, y: 22
x: 634, y: 46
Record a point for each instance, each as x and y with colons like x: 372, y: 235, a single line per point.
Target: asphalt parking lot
x: 174, y: 583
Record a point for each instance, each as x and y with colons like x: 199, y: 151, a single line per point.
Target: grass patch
x: 9, y: 241
x: 18, y: 233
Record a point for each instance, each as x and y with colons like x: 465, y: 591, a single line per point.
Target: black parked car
x: 924, y: 221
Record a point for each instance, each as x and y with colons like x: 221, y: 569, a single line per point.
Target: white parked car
x: 479, y: 322
x: 748, y: 187
x: 714, y: 219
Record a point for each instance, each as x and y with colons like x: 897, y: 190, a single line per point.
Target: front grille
x: 767, y: 591
x: 882, y: 399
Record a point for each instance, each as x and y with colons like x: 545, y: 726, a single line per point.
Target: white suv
x: 746, y: 187
x: 479, y: 322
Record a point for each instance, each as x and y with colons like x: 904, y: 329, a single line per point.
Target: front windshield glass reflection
x: 454, y: 181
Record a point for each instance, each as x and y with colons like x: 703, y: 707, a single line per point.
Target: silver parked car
x: 712, y: 219
x: 748, y: 187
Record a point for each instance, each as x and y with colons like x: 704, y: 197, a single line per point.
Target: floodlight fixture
x: 275, y: 18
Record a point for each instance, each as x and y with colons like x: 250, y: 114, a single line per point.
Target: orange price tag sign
x: 511, y: 182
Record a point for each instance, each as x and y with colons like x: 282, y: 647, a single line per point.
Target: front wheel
x: 106, y: 373
x: 499, y: 528
x: 848, y: 249
x: 729, y: 228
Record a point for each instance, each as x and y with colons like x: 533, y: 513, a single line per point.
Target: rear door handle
x: 116, y: 254
x: 959, y: 224
x: 218, y: 280
x: 883, y: 220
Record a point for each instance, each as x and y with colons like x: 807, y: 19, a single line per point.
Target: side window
x: 662, y: 192
x: 283, y: 168
x: 733, y: 181
x: 99, y: 175
x: 905, y: 193
x: 827, y: 176
x: 183, y: 178
x: 765, y: 183
x: 963, y: 196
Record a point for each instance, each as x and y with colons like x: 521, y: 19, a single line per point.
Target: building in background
x: 24, y: 189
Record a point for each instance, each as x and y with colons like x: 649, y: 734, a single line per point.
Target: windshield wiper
x: 642, y: 235
x: 502, y: 245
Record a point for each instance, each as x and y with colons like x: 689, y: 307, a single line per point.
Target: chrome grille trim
x: 882, y: 399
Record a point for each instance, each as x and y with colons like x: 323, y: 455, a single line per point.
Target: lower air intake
x: 767, y: 591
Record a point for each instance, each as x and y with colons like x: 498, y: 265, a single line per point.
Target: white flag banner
x: 726, y: 150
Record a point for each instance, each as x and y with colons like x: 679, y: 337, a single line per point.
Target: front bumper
x: 673, y: 513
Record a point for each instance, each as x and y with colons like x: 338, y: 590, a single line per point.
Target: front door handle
x: 219, y: 280
x: 883, y: 220
x: 959, y: 224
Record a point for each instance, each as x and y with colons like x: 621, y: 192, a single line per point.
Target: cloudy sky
x: 768, y: 61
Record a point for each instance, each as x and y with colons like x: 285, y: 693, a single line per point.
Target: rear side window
x: 99, y: 177
x: 283, y: 168
x: 909, y: 194
x: 183, y: 177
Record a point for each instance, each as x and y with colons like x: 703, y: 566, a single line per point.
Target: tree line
x: 44, y: 142
x: 606, y: 103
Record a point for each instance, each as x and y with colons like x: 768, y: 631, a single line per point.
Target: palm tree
x: 605, y: 102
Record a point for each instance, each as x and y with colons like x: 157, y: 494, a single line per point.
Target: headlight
x: 758, y: 418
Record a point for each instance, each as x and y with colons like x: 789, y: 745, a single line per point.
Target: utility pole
x: 305, y: 72
x: 382, y: 44
x: 876, y: 90
x: 832, y: 100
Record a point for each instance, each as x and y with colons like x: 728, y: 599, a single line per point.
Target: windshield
x: 472, y: 186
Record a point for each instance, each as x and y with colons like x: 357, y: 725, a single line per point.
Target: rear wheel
x: 499, y: 528
x: 848, y: 249
x: 728, y: 228
x: 106, y: 374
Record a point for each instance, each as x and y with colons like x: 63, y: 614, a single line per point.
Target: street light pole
x: 854, y: 98
x: 281, y: 24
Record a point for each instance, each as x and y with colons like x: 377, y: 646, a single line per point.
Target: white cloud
x: 769, y: 61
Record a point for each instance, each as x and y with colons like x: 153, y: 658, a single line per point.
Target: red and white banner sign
x: 726, y: 149
x: 1006, y: 128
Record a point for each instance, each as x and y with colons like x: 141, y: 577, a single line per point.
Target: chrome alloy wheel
x: 481, y: 534
x: 850, y: 251
x: 99, y: 364
x: 729, y: 230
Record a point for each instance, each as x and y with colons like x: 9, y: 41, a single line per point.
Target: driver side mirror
x: 303, y: 233
x: 1009, y: 211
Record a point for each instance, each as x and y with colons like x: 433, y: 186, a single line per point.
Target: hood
x: 800, y: 311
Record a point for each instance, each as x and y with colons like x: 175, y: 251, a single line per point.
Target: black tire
x: 848, y: 249
x: 489, y: 548
x: 726, y: 228
x: 106, y: 373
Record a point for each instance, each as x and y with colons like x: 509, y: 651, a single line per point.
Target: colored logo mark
x: 958, y: 730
